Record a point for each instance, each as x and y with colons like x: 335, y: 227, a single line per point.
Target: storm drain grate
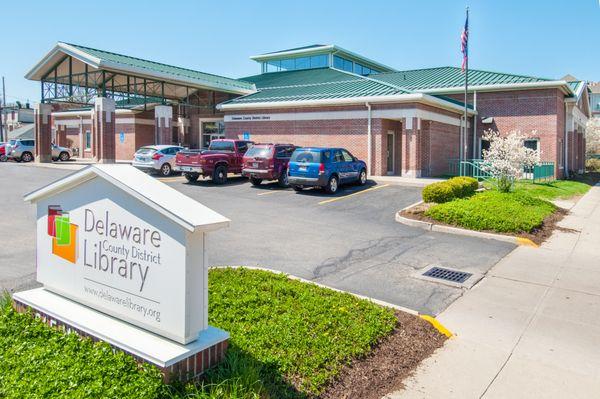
x: 448, y: 275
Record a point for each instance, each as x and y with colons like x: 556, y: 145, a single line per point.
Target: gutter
x: 410, y: 97
x: 566, y: 144
x: 369, y: 138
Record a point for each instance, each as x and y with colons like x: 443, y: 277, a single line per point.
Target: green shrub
x: 457, y: 187
x: 495, y: 211
x: 592, y: 165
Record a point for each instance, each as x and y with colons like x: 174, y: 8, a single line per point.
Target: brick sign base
x: 187, y: 369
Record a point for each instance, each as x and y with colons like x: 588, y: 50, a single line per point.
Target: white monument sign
x: 119, y: 241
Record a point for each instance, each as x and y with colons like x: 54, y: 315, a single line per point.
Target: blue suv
x: 325, y: 167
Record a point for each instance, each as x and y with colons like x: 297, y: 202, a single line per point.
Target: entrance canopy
x: 75, y: 74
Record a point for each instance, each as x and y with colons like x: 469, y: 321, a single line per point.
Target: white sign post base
x: 183, y: 362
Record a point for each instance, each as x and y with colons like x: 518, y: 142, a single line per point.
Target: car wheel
x: 255, y: 181
x: 165, y: 170
x: 362, y: 177
x: 64, y: 156
x: 332, y: 185
x: 27, y: 157
x: 220, y: 175
x: 297, y: 188
x: 283, y: 179
x: 191, y: 177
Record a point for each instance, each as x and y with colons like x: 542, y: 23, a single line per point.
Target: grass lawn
x: 558, y: 189
x: 513, y: 212
x: 288, y: 340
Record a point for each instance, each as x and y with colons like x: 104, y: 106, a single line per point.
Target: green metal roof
x: 313, y: 84
x: 447, y: 77
x: 152, y: 66
x: 575, y: 85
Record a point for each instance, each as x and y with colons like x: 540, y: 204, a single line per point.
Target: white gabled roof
x: 174, y: 205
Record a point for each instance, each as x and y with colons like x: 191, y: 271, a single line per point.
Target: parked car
x: 327, y: 168
x: 223, y: 156
x: 267, y: 162
x: 23, y: 150
x: 156, y: 158
x: 3, y: 156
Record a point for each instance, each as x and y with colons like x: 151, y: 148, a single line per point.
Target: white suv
x: 156, y: 158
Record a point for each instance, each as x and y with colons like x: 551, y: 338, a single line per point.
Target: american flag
x: 464, y: 43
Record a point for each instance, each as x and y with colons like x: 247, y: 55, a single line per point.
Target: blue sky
x: 532, y: 37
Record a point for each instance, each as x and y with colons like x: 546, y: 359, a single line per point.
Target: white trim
x: 396, y: 98
x: 341, y: 115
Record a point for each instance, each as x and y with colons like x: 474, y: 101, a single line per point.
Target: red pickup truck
x: 222, y: 156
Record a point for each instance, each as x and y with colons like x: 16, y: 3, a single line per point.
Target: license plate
x: 302, y: 168
x: 255, y: 164
x: 187, y: 168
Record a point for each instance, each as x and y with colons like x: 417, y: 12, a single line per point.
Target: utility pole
x: 2, y: 132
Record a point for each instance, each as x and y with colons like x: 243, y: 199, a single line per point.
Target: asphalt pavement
x: 349, y: 241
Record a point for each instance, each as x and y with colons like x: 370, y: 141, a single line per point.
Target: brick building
x: 401, y: 122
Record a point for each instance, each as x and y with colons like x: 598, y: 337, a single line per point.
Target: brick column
x: 103, y: 130
x: 43, y: 132
x: 411, y: 150
x: 183, y: 128
x: 163, y: 118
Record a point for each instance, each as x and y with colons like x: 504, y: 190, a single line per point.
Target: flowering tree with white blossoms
x: 507, y: 157
x: 592, y: 136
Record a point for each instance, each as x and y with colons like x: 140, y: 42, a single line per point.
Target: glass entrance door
x: 391, y: 144
x: 210, y: 131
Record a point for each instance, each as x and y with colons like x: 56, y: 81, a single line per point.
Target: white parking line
x: 271, y: 192
x: 353, y: 194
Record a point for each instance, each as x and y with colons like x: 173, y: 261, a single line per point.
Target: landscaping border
x: 459, y: 231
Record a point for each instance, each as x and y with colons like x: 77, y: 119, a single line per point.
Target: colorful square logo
x: 63, y: 233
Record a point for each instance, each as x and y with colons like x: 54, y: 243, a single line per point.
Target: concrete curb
x: 459, y: 231
x: 291, y: 276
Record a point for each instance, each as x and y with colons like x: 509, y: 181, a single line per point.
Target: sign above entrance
x: 116, y: 240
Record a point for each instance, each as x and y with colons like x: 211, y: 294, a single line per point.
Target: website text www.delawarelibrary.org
x: 126, y: 301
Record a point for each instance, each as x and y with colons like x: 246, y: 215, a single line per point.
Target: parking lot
x: 348, y: 241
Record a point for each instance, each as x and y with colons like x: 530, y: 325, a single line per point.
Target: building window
x: 561, y: 154
x: 532, y: 144
x: 291, y: 64
x: 88, y: 140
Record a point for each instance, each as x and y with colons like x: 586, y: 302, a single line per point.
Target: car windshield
x: 221, y: 146
x: 306, y: 156
x: 145, y: 151
x: 258, y: 152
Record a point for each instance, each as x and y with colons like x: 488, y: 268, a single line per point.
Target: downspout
x: 368, y: 105
x: 566, y: 144
x: 475, y: 151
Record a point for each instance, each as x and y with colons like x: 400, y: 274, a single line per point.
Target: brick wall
x: 539, y: 110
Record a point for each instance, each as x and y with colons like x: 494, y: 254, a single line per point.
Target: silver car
x: 156, y: 158
x: 23, y: 150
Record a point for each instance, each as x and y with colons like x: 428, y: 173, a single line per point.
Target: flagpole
x: 463, y: 148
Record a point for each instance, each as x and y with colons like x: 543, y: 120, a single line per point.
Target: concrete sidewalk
x: 531, y: 327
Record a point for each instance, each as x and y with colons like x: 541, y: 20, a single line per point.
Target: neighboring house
x: 14, y: 116
x: 401, y: 122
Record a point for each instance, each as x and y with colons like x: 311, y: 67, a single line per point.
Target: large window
x: 291, y: 64
x: 350, y: 66
x: 595, y: 101
x: 88, y: 140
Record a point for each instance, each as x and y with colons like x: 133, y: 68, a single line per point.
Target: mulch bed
x: 538, y: 235
x: 389, y: 363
